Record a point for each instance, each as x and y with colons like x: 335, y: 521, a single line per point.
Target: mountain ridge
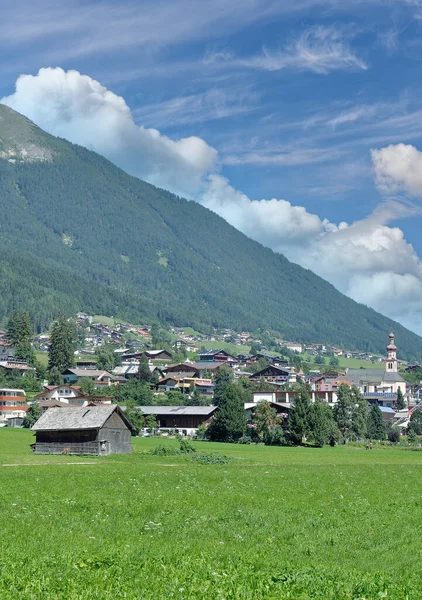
x: 111, y: 243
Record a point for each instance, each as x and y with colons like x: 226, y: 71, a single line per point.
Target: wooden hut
x: 95, y: 430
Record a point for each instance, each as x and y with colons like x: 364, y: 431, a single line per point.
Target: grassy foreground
x: 273, y: 523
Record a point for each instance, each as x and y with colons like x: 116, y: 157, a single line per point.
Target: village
x: 181, y: 379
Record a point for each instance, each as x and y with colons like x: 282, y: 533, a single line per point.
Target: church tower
x: 391, y: 360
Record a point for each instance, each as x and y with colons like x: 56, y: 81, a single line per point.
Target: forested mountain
x: 77, y: 233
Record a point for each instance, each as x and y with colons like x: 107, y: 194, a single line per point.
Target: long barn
x: 94, y: 430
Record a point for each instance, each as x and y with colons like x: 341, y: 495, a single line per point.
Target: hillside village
x: 182, y: 375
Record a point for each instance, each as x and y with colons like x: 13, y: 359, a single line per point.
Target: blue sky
x: 300, y: 123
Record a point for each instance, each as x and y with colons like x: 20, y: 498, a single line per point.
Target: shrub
x: 186, y: 448
x: 245, y: 439
x: 201, y: 432
x: 212, y: 458
x: 275, y: 437
x: 164, y: 450
x: 411, y: 436
x: 394, y: 434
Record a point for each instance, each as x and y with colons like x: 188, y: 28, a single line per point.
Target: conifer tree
x: 360, y: 412
x: 400, y: 399
x: 299, y: 417
x: 13, y: 329
x: 230, y: 422
x: 321, y: 423
x: 223, y: 379
x: 24, y: 349
x: 343, y: 411
x: 61, y: 351
x: 376, y: 425
x: 144, y: 372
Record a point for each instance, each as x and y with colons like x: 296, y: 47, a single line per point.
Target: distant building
x: 380, y: 381
x: 12, y: 405
x: 16, y: 365
x: 99, y: 378
x: 186, y: 419
x: 218, y: 356
x: 272, y: 374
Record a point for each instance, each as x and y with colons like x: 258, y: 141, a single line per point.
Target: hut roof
x: 177, y: 410
x: 88, y: 417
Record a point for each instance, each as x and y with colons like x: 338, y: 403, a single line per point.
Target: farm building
x: 96, y: 430
x: 184, y: 418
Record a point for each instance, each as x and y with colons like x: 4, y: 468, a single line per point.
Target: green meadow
x: 273, y: 523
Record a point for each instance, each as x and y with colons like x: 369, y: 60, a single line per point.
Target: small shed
x: 95, y: 430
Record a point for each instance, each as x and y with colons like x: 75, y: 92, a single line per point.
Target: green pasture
x: 273, y: 523
x: 243, y: 349
x: 345, y: 363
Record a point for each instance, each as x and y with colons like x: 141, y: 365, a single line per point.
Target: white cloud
x: 398, y: 167
x: 210, y: 105
x: 368, y: 260
x: 274, y: 223
x: 320, y: 50
x: 80, y: 109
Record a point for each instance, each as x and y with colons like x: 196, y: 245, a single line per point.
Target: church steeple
x: 391, y: 360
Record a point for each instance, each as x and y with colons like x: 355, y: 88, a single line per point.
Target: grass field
x: 110, y: 321
x: 344, y: 363
x: 274, y: 523
x: 244, y: 349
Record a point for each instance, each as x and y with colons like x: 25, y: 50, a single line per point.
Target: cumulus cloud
x: 398, y: 167
x: 367, y: 260
x: 80, y: 109
x: 274, y: 223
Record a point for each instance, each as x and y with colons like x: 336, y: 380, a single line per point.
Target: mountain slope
x: 79, y: 233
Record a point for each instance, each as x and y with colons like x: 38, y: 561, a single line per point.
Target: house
x: 388, y: 414
x: 67, y: 396
x: 46, y: 404
x: 86, y: 363
x: 183, y: 383
x: 271, y: 373
x: 184, y: 418
x: 294, y: 347
x: 98, y: 377
x: 219, y: 356
x: 383, y: 399
x: 185, y: 369
x: 70, y: 394
x: 16, y: 365
x: 272, y: 358
x: 94, y: 430
x: 6, y: 352
x: 12, y: 405
x: 204, y: 367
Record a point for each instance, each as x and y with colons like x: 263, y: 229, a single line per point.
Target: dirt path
x: 45, y: 464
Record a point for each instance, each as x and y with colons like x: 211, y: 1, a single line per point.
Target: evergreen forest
x: 77, y: 233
